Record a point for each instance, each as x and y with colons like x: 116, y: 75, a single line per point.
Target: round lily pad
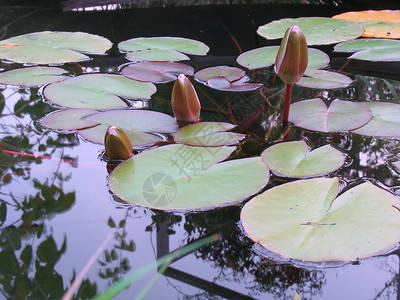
x: 134, y: 122
x: 226, y: 79
x: 313, y: 114
x: 162, y: 48
x: 306, y: 220
x: 371, y: 49
x: 69, y: 119
x: 207, y: 134
x: 32, y: 76
x: 49, y: 47
x: 318, y: 31
x: 265, y: 57
x: 295, y: 159
x: 181, y: 177
x: 321, y: 79
x: 97, y: 91
x: 385, y: 121
x: 150, y: 71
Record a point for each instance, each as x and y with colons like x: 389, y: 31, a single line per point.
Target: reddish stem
x: 288, y: 96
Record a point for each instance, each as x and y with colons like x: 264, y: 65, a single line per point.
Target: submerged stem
x: 288, y: 96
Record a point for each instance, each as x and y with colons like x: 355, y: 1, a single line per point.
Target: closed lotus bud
x: 185, y: 103
x: 117, y: 143
x: 292, y: 58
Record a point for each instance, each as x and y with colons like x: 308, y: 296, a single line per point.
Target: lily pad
x: 294, y: 159
x: 385, y: 121
x: 134, y: 122
x: 321, y: 79
x: 265, y: 57
x: 97, y: 91
x: 69, y: 119
x: 377, y: 23
x: 318, y: 31
x: 32, y: 76
x: 49, y: 47
x: 371, y: 49
x: 313, y: 114
x: 156, y: 71
x: 306, y: 220
x: 208, y: 134
x: 162, y: 178
x: 162, y: 48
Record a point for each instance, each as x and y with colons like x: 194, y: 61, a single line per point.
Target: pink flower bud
x: 185, y: 103
x: 117, y: 143
x: 292, y: 58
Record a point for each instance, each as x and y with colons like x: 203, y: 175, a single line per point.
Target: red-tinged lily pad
x: 265, y: 57
x: 371, y: 49
x: 295, y: 159
x: 306, y: 220
x: 69, y: 119
x: 321, y: 79
x: 226, y: 79
x: 134, y: 122
x: 156, y: 72
x: 209, y: 134
x: 161, y: 48
x: 385, y: 121
x: 317, y: 30
x: 164, y: 177
x: 97, y: 91
x: 50, y: 47
x: 313, y: 114
x: 32, y: 76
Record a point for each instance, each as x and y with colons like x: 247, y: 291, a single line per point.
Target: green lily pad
x: 306, y: 220
x: 321, y: 79
x: 161, y: 71
x: 265, y: 57
x: 69, y: 119
x: 318, y: 31
x: 134, y: 122
x: 97, y: 91
x: 226, y: 78
x: 32, y: 76
x: 209, y: 134
x: 181, y: 177
x: 385, y: 121
x: 294, y: 159
x: 49, y: 47
x: 371, y: 49
x: 313, y: 114
x: 162, y: 48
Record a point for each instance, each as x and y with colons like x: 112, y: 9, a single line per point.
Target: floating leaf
x: 265, y: 57
x: 69, y: 119
x: 156, y: 71
x: 97, y: 91
x: 385, y: 121
x: 162, y: 48
x: 313, y: 114
x: 303, y: 220
x: 318, y: 31
x: 377, y: 23
x: 371, y: 49
x: 134, y: 122
x: 207, y: 134
x: 49, y: 47
x: 32, y: 76
x: 294, y: 159
x: 162, y: 178
x: 321, y: 79
x: 226, y: 79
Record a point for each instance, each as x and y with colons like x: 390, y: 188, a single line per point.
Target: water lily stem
x: 288, y: 96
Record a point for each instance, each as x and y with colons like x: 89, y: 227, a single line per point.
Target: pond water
x: 57, y: 211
